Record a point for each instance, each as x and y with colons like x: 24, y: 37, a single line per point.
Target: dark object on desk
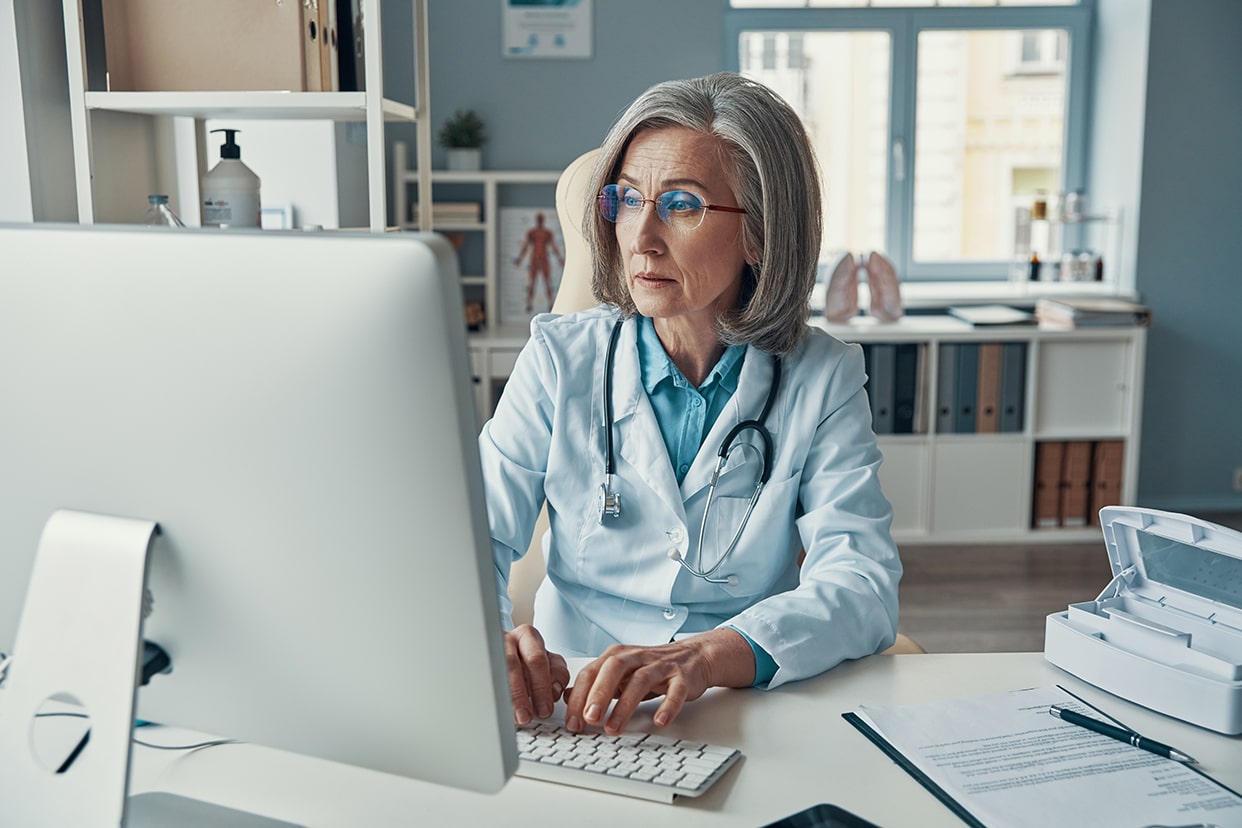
x: 822, y: 816
x: 986, y: 315
x: 1121, y: 735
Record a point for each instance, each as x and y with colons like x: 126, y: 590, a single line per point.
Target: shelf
x: 488, y: 176
x: 327, y: 106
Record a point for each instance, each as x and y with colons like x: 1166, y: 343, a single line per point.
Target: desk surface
x: 798, y: 751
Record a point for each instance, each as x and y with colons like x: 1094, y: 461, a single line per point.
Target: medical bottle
x: 230, y: 189
x: 159, y: 214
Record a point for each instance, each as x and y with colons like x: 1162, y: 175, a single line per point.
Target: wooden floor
x: 995, y: 598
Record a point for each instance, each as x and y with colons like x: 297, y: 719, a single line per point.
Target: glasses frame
x: 662, y: 212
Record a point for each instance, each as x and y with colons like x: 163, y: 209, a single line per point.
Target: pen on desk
x: 1121, y: 734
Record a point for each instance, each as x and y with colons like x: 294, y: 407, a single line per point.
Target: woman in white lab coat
x: 705, y: 228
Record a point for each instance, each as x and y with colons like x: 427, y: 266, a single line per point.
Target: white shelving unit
x: 126, y: 144
x: 1084, y: 384
x: 489, y: 184
x: 493, y: 349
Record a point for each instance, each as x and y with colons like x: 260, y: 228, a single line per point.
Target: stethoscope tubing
x: 610, y: 503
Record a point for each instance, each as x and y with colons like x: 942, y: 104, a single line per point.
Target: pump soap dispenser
x: 231, y: 189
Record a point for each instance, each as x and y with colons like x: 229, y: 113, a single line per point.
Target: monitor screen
x: 295, y: 411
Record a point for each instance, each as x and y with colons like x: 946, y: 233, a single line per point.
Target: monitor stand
x: 77, y: 649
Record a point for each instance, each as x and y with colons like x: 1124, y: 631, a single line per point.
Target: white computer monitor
x: 295, y: 411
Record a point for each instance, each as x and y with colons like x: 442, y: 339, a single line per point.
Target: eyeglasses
x: 681, y: 209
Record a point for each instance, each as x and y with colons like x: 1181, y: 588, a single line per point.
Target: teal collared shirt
x: 686, y: 414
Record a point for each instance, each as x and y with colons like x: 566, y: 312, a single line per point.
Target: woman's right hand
x: 537, y: 678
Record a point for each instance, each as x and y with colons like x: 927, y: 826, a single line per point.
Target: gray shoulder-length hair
x: 772, y: 170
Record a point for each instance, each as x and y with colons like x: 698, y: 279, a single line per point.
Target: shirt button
x: 670, y: 614
x: 695, y: 402
x: 685, y: 467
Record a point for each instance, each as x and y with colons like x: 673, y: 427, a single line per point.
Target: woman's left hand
x: 680, y: 671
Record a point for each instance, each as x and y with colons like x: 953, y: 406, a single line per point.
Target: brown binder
x: 329, y: 68
x: 1046, y: 503
x: 312, y: 35
x: 987, y: 405
x: 1106, y: 467
x: 1076, y: 483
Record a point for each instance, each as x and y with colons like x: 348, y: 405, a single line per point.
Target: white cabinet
x: 129, y: 144
x: 953, y: 486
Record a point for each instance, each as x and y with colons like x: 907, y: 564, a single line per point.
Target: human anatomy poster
x: 532, y: 257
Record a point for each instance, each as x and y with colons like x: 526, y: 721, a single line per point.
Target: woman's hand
x: 537, y: 678
x: 680, y: 671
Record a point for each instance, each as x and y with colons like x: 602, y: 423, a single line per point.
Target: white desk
x: 798, y: 751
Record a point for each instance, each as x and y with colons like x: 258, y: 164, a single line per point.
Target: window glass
x: 989, y: 126
x: 838, y: 82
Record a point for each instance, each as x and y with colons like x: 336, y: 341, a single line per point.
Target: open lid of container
x: 1176, y: 562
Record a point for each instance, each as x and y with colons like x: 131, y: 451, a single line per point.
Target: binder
x: 967, y: 387
x: 1076, y: 483
x: 905, y: 387
x: 883, y: 362
x: 1046, y: 498
x: 987, y: 401
x: 312, y: 76
x: 946, y: 388
x: 1106, y: 468
x: 1013, y: 386
x: 329, y: 77
x: 351, y: 53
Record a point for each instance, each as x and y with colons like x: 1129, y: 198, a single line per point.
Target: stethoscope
x: 609, y: 502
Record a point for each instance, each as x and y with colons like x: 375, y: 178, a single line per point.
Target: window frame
x: 903, y: 26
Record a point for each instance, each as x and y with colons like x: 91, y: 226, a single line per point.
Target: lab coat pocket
x: 764, y: 551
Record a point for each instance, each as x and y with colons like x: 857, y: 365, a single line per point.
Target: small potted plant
x: 462, y: 135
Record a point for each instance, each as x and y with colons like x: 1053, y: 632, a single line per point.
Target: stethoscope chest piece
x: 608, y: 501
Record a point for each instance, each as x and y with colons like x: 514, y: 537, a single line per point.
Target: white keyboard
x: 643, y: 765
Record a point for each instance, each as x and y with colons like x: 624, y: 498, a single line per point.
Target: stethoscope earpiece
x: 609, y: 503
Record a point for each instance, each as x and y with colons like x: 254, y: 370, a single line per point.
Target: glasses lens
x: 609, y: 199
x: 680, y: 208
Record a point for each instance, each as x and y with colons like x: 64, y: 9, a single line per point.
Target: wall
x: 1189, y: 265
x: 541, y: 114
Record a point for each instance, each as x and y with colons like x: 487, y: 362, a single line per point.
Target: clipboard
x: 910, y: 768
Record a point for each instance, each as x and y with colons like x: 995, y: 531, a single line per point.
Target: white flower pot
x: 465, y: 159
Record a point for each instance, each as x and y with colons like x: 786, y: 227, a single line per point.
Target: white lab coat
x: 615, y: 582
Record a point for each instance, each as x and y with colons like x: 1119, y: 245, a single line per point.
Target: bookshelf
x: 129, y: 144
x: 953, y: 484
x: 485, y: 186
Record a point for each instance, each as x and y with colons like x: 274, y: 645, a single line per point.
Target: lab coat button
x: 670, y: 614
x: 674, y: 534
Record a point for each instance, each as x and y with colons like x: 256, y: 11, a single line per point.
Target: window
x: 934, y: 120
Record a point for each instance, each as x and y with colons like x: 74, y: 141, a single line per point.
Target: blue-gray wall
x: 543, y: 113
x: 1189, y: 265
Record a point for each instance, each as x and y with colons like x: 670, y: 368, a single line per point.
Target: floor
x: 995, y: 598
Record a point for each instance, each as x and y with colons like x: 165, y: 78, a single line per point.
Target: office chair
x: 573, y: 294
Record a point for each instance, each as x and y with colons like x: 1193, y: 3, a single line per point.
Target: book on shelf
x: 1091, y: 312
x: 449, y: 212
x: 990, y: 315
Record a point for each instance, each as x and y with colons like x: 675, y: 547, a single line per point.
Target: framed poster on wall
x: 547, y: 28
x: 532, y: 257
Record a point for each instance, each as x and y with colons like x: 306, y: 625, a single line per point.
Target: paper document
x: 1007, y: 762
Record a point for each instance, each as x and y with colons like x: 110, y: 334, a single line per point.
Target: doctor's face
x: 684, y: 274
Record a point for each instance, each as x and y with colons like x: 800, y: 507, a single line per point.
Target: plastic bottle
x: 231, y: 189
x: 159, y: 214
